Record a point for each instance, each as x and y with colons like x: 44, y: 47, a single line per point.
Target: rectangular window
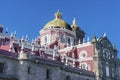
x: 1, y: 67
x: 107, y: 71
x: 113, y: 73
x: 83, y: 66
x: 69, y: 41
x: 68, y: 77
x: 29, y: 70
x: 48, y: 74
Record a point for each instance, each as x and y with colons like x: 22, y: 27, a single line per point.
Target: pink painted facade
x: 55, y: 43
x: 64, y: 43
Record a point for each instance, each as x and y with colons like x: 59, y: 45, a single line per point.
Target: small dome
x: 57, y: 22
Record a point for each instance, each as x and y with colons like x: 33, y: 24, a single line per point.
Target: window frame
x: 83, y: 52
x: 2, y: 65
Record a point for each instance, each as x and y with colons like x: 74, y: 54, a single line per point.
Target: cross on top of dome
x: 58, y: 15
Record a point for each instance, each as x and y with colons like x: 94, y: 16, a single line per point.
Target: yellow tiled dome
x: 57, y: 22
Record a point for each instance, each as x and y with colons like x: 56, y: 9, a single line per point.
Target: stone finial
x: 54, y: 54
x: 22, y: 47
x: 11, y: 46
x: 74, y: 21
x: 6, y: 31
x: 73, y: 63
x: 87, y: 67
x: 35, y: 39
x: 32, y: 42
x: 62, y: 58
x: 105, y: 34
x: 33, y: 48
x: 66, y: 62
x: 80, y: 66
x: 94, y: 39
x: 74, y: 25
x: 83, y: 40
x: 88, y: 39
x: 26, y: 38
x: 22, y: 54
x: 22, y: 39
x: 14, y: 35
x: 11, y: 35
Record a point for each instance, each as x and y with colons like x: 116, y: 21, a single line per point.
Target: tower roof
x: 74, y: 24
x: 58, y: 22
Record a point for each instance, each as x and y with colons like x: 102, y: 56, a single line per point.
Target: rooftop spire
x: 74, y: 21
x: 74, y: 24
x: 6, y: 32
x: 94, y: 39
x: 14, y: 35
x: 58, y: 15
x: 105, y: 34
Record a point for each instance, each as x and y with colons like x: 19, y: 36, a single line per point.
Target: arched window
x: 69, y: 41
x: 61, y: 37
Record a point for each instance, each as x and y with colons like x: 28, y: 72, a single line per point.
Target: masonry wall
x: 26, y: 69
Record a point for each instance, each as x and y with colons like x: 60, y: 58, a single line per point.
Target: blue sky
x: 93, y: 16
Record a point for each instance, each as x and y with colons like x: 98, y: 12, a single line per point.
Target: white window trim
x: 81, y: 54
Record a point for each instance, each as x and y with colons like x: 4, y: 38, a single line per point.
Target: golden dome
x: 57, y: 22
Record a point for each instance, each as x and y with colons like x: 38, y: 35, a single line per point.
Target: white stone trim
x: 57, y: 29
x: 66, y: 49
x: 78, y: 60
x: 50, y: 52
x: 83, y: 45
x: 71, y: 47
x: 86, y: 59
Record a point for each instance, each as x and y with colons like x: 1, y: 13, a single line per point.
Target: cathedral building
x: 59, y: 53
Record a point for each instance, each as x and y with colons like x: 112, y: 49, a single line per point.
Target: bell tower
x: 80, y: 34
